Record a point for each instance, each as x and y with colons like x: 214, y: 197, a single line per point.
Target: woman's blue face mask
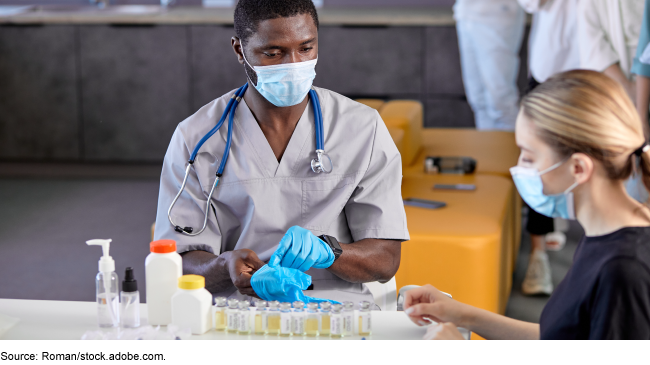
x: 286, y: 84
x: 529, y: 184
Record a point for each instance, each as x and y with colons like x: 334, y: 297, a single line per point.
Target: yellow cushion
x: 398, y: 137
x: 406, y: 115
x: 463, y: 248
x: 495, y: 151
x: 373, y: 103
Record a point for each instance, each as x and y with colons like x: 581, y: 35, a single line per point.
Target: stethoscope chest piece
x: 322, y: 163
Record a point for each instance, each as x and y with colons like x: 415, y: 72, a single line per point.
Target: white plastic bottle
x: 192, y: 304
x: 163, y: 267
x: 108, y: 302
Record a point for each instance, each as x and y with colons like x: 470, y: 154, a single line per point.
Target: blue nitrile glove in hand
x: 283, y: 284
x: 300, y: 249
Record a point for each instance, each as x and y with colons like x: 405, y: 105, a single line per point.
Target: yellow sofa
x: 468, y: 247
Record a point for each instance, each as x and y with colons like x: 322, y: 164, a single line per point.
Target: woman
x: 580, y: 137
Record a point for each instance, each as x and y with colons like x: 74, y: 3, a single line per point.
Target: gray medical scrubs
x: 259, y: 198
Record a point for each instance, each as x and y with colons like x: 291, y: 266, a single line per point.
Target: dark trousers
x: 538, y: 224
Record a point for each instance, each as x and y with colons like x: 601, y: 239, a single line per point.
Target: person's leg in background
x: 472, y: 79
x: 538, y: 275
x: 489, y: 53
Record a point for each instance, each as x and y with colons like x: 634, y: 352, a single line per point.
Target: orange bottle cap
x: 163, y: 246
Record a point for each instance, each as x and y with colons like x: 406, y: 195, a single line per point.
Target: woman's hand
x: 427, y: 302
x: 443, y: 331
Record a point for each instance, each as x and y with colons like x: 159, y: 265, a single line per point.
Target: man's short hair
x: 249, y: 13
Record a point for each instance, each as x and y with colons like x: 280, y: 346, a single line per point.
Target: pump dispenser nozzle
x: 129, y: 284
x: 106, y: 262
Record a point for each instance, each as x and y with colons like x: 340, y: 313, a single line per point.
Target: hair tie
x: 641, y: 150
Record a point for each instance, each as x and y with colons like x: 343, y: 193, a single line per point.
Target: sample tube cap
x: 163, y: 246
x: 190, y: 282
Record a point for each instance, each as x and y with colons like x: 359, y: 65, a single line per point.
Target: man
x: 268, y: 185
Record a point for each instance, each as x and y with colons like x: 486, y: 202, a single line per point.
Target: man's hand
x: 300, y: 249
x: 242, y: 264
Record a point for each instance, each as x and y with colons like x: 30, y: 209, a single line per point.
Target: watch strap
x: 334, y: 245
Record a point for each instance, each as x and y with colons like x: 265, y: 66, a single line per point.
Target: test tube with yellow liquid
x: 219, y: 314
x: 260, y: 309
x: 325, y: 311
x: 272, y: 318
x: 312, y: 320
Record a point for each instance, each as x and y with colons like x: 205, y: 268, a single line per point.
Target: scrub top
x: 259, y: 198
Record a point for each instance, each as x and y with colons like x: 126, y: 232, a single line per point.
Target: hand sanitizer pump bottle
x: 108, y: 301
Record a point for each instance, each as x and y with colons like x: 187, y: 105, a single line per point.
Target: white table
x: 63, y: 320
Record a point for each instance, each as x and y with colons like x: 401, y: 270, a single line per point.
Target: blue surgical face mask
x: 529, y: 184
x: 286, y: 84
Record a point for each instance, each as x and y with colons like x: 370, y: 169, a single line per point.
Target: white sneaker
x: 538, y: 275
x: 558, y: 237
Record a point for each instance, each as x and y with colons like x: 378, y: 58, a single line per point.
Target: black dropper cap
x: 129, y: 284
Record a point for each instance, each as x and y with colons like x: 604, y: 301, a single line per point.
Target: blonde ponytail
x: 588, y: 112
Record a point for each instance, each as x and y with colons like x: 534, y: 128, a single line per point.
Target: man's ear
x: 582, y: 167
x: 236, y: 47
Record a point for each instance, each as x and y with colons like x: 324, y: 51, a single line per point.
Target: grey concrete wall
x: 116, y: 93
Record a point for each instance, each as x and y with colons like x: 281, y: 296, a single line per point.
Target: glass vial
x: 336, y: 321
x: 365, y: 324
x: 325, y: 311
x: 272, y: 318
x: 219, y: 314
x: 260, y: 311
x: 312, y: 320
x: 298, y: 319
x: 285, y: 319
x: 232, y: 314
x: 244, y: 320
x: 348, y: 318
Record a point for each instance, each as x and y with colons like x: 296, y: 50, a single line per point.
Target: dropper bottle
x: 108, y: 301
x: 130, y: 299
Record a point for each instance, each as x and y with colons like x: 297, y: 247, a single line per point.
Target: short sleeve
x: 621, y: 302
x: 376, y: 209
x: 640, y: 67
x: 596, y: 50
x: 189, y: 210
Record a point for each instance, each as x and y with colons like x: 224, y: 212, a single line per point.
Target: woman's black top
x: 606, y: 293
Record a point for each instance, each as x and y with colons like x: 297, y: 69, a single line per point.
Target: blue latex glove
x: 283, y: 284
x: 300, y: 249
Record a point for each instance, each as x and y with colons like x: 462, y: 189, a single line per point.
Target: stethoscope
x: 322, y: 162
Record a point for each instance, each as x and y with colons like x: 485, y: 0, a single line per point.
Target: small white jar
x: 191, y: 305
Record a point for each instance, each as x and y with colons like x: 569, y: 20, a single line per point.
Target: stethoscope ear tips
x: 180, y: 229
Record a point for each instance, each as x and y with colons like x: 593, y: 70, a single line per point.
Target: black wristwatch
x: 334, y: 245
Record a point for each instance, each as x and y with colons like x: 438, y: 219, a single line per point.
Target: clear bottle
x: 285, y: 319
x: 108, y: 299
x: 312, y: 320
x: 130, y: 299
x: 272, y: 318
x: 348, y: 318
x: 298, y: 319
x: 365, y: 324
x: 260, y: 311
x: 232, y: 314
x: 336, y: 321
x: 219, y: 313
x: 244, y: 319
x: 325, y: 311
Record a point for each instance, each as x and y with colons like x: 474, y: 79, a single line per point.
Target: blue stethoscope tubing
x: 316, y: 164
